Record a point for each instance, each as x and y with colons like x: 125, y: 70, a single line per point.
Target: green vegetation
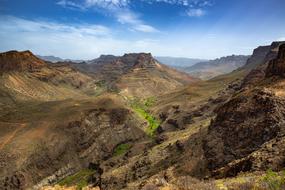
x: 274, y: 180
x: 80, y: 179
x: 150, y: 102
x: 153, y: 124
x: 121, y: 149
x: 141, y: 108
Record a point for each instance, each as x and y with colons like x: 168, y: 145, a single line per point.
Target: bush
x: 80, y: 179
x: 121, y: 149
x: 274, y: 181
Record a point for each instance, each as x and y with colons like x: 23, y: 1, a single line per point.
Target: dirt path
x: 10, y: 136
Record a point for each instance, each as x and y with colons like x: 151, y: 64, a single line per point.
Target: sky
x: 85, y: 29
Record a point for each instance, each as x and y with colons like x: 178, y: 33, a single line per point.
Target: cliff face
x: 257, y: 57
x: 276, y: 67
x: 19, y: 61
x: 251, y: 119
x: 258, y: 63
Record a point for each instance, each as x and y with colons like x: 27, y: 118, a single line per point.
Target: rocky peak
x: 19, y: 61
x: 145, y: 60
x: 106, y: 58
x: 276, y: 67
x: 257, y: 57
x: 139, y: 60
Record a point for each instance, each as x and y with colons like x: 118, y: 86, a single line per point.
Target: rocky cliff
x: 258, y: 62
x: 19, y: 61
x: 276, y: 67
x: 253, y: 118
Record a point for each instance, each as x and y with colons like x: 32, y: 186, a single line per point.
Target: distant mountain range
x: 55, y: 59
x: 203, y: 69
x: 178, y: 62
x: 212, y: 68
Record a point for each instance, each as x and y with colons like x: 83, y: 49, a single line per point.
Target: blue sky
x: 84, y: 29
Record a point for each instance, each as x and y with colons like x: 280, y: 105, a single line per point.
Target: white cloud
x: 83, y: 41
x: 196, y: 12
x: 145, y: 28
x: 128, y: 17
x: 110, y: 4
x: 186, y: 3
x: 24, y: 25
x: 65, y: 40
x: 71, y: 5
x: 117, y: 8
x: 120, y: 9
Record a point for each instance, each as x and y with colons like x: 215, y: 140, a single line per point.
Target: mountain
x: 137, y: 75
x: 130, y: 122
x: 177, y: 62
x: 257, y: 63
x: 50, y: 58
x: 53, y: 123
x: 25, y: 76
x: 19, y: 61
x: 55, y: 59
x: 212, y: 68
x: 248, y: 132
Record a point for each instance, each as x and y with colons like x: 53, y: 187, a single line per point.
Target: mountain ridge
x: 19, y: 61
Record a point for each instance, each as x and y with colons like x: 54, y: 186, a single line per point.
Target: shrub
x: 121, y: 149
x: 80, y: 179
x: 274, y: 181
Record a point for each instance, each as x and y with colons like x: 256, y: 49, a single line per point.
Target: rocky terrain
x: 135, y: 75
x: 130, y: 123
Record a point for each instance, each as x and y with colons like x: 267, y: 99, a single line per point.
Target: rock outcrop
x: 276, y: 67
x: 19, y: 61
x: 253, y: 118
x: 258, y: 62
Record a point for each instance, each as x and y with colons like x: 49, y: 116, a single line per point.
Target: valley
x: 130, y: 122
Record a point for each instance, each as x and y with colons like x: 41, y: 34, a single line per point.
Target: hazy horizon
x: 85, y: 29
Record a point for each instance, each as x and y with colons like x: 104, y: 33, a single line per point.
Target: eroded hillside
x: 132, y: 123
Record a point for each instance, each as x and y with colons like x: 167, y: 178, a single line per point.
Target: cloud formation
x: 77, y: 41
x: 120, y: 9
x: 196, y: 12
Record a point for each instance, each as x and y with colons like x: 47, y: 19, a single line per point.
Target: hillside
x: 27, y: 77
x: 212, y: 68
x: 135, y: 75
x: 221, y: 133
x: 237, y: 142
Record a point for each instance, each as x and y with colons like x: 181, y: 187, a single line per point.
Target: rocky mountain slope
x: 138, y: 75
x: 250, y: 122
x: 26, y: 77
x: 223, y: 133
x: 19, y: 61
x: 212, y: 68
x: 52, y: 125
